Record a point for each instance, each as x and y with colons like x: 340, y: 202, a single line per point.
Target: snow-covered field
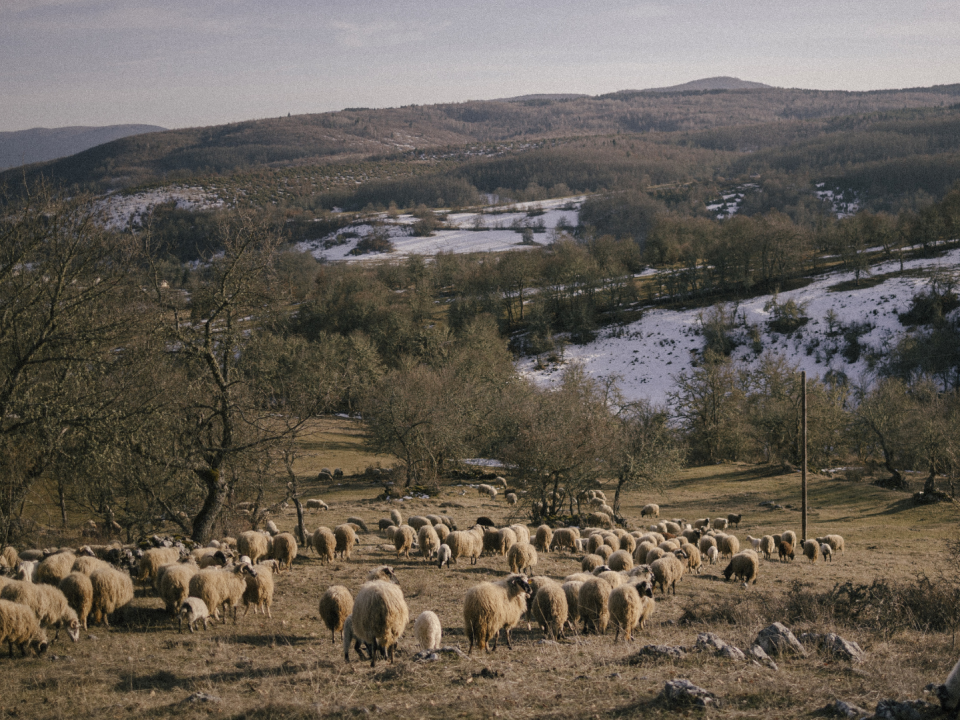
x: 650, y: 353
x: 501, y: 231
x: 120, y: 210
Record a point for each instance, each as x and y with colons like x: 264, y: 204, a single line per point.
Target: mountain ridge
x: 40, y: 144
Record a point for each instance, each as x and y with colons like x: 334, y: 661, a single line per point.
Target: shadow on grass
x: 166, y: 680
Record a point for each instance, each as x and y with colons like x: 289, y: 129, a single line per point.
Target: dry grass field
x: 287, y: 667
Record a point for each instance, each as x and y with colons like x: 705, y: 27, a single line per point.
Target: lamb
x: 652, y: 510
x: 729, y: 545
x: 336, y: 604
x: 621, y: 560
x: 811, y: 550
x: 380, y: 616
x: 253, y: 544
x: 487, y: 490
x: 325, y: 543
x: 744, y: 566
x: 522, y: 558
x: 315, y: 504
x: 404, y: 540
x: 785, y: 550
x: 667, y: 572
x: 194, y: 611
x: 259, y: 590
x: 543, y: 538
x: 174, y: 585
x: 429, y: 541
x: 733, y: 519
x: 564, y: 539
x: 427, y: 630
x: 153, y: 559
x: 284, y: 550
x: 593, y: 602
x: 396, y: 517
x: 55, y: 568
x: 49, y: 604
x: 631, y: 605
x: 834, y: 541
x: 511, y: 498
x: 78, y: 591
x: 443, y: 554
x: 19, y: 626
x: 827, y: 552
x: 766, y: 546
x: 221, y: 588
x: 755, y: 542
x: 550, y: 610
x: 713, y: 555
x: 488, y: 607
x: 346, y: 538
x: 112, y: 590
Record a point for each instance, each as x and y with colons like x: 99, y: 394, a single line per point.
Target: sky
x: 186, y: 63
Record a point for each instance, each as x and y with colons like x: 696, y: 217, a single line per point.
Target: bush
x: 786, y: 318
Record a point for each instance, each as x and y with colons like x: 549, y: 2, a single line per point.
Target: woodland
x: 152, y: 375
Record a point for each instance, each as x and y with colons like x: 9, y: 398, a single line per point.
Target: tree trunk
x: 301, y: 528
x: 217, y: 491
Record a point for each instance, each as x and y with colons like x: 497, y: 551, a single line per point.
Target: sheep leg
x: 373, y: 654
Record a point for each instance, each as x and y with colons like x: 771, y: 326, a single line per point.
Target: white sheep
x: 428, y: 540
x: 593, y: 602
x: 652, y: 510
x: 631, y: 605
x: 346, y: 538
x: 336, y: 604
x: 316, y: 504
x: 565, y: 539
x: 380, y: 616
x: 834, y: 541
x: 511, y: 498
x: 194, y: 611
x: 811, y: 550
x: 55, y: 568
x: 620, y: 560
x: 522, y: 533
x: 47, y: 602
x: 755, y: 542
x: 9, y: 557
x: 112, y: 589
x: 767, y: 546
x: 155, y: 558
x: 490, y: 607
x: 174, y: 584
x: 522, y: 558
x: 745, y: 566
x: 221, y: 588
x: 404, y: 540
x: 443, y: 556
x: 667, y: 572
x: 948, y: 694
x: 729, y: 545
x: 713, y: 554
x: 78, y: 590
x: 259, y: 589
x: 254, y: 545
x: 325, y: 543
x: 442, y: 530
x: 549, y: 608
x: 396, y: 517
x: 465, y: 543
x: 543, y: 538
x: 271, y: 527
x: 284, y: 550
x: 487, y: 490
x: 427, y: 630
x: 827, y: 552
x: 19, y: 626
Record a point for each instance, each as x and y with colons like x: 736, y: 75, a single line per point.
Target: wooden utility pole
x: 803, y: 454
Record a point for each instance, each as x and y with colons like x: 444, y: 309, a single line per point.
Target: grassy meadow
x: 287, y: 666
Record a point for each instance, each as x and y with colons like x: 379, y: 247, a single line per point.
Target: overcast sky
x: 181, y: 63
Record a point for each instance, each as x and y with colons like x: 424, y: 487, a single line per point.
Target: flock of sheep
x: 619, y: 573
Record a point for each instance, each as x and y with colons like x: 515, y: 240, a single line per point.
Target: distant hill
x: 714, y: 83
x: 428, y: 131
x: 24, y: 147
